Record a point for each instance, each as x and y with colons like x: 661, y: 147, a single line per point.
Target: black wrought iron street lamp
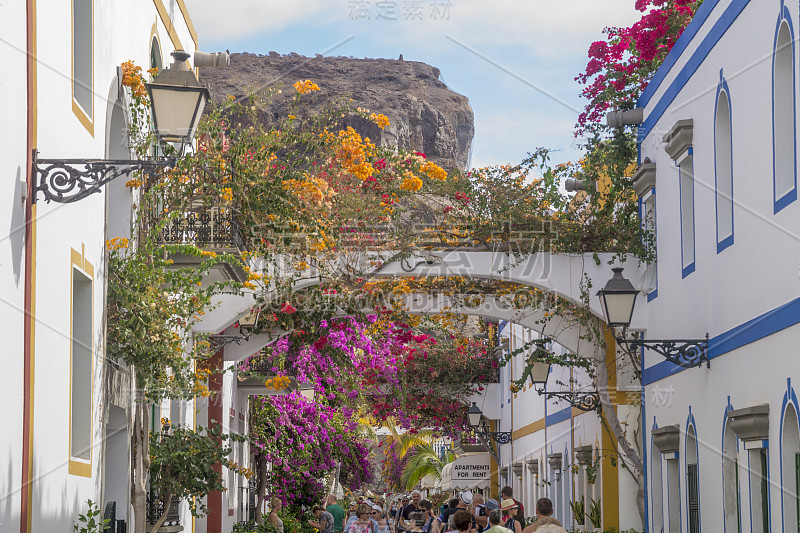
x: 540, y: 372
x: 475, y: 417
x: 618, y: 299
x: 177, y: 101
x: 247, y: 324
x: 307, y: 391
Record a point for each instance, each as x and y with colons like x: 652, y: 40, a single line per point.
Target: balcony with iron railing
x: 207, y: 221
x: 258, y: 368
x: 468, y: 442
x: 155, y: 508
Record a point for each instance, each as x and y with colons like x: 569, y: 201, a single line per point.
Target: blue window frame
x: 692, y: 459
x: 784, y: 131
x: 686, y: 192
x: 723, y: 165
x: 647, y: 216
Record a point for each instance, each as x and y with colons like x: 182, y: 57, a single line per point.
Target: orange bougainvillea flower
x: 380, y: 120
x: 132, y: 78
x: 303, y: 87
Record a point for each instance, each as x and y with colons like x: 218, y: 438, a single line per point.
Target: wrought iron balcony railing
x: 205, y: 227
x: 155, y: 509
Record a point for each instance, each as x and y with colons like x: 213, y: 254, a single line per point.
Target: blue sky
x: 515, y: 60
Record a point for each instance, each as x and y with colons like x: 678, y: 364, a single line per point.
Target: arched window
x: 790, y: 467
x: 723, y: 167
x: 783, y: 116
x: 155, y: 54
x: 83, y: 63
x: 730, y: 479
x: 656, y: 490
x: 692, y: 480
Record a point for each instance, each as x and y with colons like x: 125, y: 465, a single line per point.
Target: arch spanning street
x: 560, y: 329
x: 563, y: 275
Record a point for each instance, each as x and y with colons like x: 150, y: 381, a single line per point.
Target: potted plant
x: 595, y: 518
x: 579, y: 511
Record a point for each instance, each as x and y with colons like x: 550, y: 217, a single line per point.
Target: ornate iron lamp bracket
x: 500, y: 437
x: 585, y: 401
x: 686, y: 353
x: 69, y: 180
x: 219, y: 341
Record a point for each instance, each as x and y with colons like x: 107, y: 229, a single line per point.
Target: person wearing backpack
x: 509, y: 509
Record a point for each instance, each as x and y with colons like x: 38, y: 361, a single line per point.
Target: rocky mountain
x: 425, y: 115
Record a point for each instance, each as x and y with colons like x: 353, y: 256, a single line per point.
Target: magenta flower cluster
x: 303, y: 442
x: 620, y: 67
x: 359, y: 370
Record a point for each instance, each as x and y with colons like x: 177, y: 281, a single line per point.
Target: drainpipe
x: 30, y: 273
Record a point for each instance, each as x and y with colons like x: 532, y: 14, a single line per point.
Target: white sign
x: 471, y: 471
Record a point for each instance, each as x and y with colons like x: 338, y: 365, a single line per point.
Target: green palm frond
x: 409, y: 441
x: 422, y: 462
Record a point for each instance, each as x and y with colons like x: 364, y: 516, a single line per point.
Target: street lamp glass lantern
x: 307, y: 391
x: 539, y: 374
x: 250, y: 319
x: 617, y: 300
x: 177, y: 100
x: 474, y: 415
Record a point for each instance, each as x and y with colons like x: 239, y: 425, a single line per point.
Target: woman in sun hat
x: 380, y: 517
x: 510, y: 509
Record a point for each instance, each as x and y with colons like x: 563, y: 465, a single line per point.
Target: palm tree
x: 405, y: 441
x: 423, y: 461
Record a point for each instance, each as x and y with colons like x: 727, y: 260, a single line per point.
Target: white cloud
x: 543, y: 27
x: 506, y: 138
x: 236, y: 19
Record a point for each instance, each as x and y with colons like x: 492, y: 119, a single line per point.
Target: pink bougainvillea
x: 360, y: 370
x: 304, y: 441
x: 621, y: 66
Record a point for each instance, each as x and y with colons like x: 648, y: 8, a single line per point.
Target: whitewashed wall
x: 751, y: 279
x: 122, y: 31
x: 562, y: 432
x: 13, y: 158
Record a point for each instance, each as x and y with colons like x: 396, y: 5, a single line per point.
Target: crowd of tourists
x: 467, y: 513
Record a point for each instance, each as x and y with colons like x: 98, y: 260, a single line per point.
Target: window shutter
x: 797, y: 486
x: 694, y: 499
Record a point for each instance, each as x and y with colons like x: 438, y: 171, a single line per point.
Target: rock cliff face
x: 425, y: 115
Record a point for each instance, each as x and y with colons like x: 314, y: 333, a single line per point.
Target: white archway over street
x: 561, y: 274
x: 561, y: 330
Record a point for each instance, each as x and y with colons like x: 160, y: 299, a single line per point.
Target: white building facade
x: 66, y: 406
x: 561, y: 452
x: 718, y: 184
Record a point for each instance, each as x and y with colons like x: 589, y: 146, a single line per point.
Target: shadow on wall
x: 16, y: 233
x: 9, y: 504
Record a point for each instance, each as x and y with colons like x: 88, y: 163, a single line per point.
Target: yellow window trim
x: 78, y: 467
x: 83, y: 118
x: 171, y: 31
x: 188, y: 20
